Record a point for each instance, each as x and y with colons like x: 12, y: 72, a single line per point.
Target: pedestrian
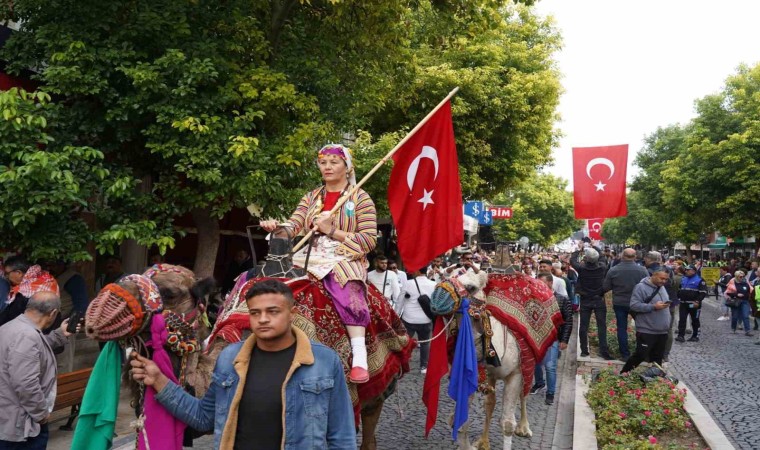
x: 546, y: 266
x: 725, y: 278
x: 28, y: 373
x: 25, y: 280
x: 415, y: 318
x: 436, y: 271
x: 466, y: 264
x: 650, y: 302
x: 402, y: 278
x: 740, y: 291
x: 73, y: 287
x: 691, y: 293
x: 113, y: 273
x: 549, y: 363
x: 653, y: 262
x: 621, y: 280
x: 277, y: 389
x: 386, y: 281
x: 591, y: 272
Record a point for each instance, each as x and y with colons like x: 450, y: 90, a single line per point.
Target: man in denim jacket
x: 293, y: 397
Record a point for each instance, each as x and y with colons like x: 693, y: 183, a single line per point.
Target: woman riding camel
x: 338, y: 253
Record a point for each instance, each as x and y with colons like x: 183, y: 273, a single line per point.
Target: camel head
x: 124, y: 309
x: 448, y: 294
x: 180, y: 291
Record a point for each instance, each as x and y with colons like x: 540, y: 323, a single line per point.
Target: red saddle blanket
x: 528, y: 308
x: 389, y: 347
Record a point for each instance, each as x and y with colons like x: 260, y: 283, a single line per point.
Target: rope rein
x: 443, y: 330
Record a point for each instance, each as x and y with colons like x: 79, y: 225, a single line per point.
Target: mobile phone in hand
x: 74, y: 320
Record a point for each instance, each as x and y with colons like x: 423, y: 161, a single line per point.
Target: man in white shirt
x: 466, y: 264
x: 558, y: 284
x: 402, y: 278
x: 414, y: 318
x: 385, y: 281
x: 436, y: 272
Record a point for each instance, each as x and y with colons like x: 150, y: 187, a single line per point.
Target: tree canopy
x: 702, y: 176
x: 203, y: 106
x: 542, y: 210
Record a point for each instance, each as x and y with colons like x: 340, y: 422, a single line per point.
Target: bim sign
x: 500, y: 212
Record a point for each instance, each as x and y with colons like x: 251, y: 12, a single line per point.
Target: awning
x: 717, y: 246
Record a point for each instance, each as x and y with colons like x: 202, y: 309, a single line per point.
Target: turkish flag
x: 595, y: 229
x: 424, y: 193
x: 599, y: 181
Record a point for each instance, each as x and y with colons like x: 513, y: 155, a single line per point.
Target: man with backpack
x: 650, y: 302
x: 417, y: 317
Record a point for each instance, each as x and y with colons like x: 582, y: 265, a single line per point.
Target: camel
x: 184, y: 299
x: 278, y: 265
x: 444, y: 302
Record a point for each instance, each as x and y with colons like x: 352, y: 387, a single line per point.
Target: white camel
x: 508, y: 351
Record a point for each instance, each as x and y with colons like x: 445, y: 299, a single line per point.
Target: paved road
x: 723, y: 370
x: 406, y: 432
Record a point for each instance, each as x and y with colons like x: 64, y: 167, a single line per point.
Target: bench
x: 70, y: 392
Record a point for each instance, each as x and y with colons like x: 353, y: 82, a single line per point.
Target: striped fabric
x: 360, y: 226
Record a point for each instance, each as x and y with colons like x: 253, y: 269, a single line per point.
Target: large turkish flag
x: 424, y: 193
x: 599, y: 181
x: 595, y: 229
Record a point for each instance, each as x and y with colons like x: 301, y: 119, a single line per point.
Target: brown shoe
x: 358, y: 375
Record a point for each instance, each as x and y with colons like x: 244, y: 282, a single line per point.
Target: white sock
x: 359, y: 349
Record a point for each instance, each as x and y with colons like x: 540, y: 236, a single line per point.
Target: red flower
x: 648, y: 413
x: 687, y: 424
x: 666, y: 411
x: 652, y: 440
x: 643, y: 422
x: 622, y: 415
x: 612, y: 393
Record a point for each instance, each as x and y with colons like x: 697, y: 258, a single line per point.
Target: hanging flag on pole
x: 599, y: 181
x: 595, y: 228
x: 424, y: 192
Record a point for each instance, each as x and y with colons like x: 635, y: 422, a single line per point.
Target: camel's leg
x: 490, y: 403
x: 370, y: 417
x: 523, y: 428
x: 463, y: 439
x: 512, y: 393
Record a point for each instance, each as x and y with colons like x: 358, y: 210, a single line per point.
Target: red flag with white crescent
x: 424, y: 192
x: 599, y: 181
x: 595, y: 229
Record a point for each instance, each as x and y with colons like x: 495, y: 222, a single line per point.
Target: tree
x: 200, y: 107
x: 46, y: 184
x: 542, y: 210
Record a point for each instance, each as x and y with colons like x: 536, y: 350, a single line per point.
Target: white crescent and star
x: 600, y: 161
x: 596, y: 226
x: 411, y: 174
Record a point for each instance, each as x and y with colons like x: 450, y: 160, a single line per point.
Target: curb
x: 704, y: 423
x: 584, y: 437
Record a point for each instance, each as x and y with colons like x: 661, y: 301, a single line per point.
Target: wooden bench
x: 70, y: 392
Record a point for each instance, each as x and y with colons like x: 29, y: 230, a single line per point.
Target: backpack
x: 424, y: 301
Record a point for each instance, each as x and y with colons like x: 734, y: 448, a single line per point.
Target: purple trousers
x: 350, y: 300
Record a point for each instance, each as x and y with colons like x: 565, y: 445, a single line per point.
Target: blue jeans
x: 38, y: 442
x: 621, y: 316
x: 550, y: 364
x: 741, y: 312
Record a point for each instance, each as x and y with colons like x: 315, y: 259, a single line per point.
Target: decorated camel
x: 388, y: 345
x: 126, y: 312
x: 513, y: 321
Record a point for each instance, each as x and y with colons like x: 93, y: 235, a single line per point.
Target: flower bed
x: 633, y: 415
x: 612, y: 339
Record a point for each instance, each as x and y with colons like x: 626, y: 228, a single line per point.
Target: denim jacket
x: 317, y: 410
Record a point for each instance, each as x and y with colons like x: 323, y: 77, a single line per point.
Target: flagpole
x: 380, y: 163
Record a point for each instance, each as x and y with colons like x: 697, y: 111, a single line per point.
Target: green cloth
x: 100, y: 405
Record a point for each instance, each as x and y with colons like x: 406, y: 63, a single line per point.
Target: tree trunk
x: 208, y: 242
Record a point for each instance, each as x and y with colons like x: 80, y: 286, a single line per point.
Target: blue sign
x: 486, y: 218
x: 473, y: 209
